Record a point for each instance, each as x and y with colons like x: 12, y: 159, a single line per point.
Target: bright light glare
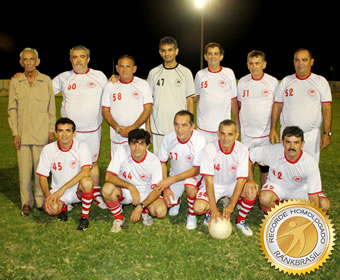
x: 200, y: 3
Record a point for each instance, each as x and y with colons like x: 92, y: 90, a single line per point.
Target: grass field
x: 40, y: 247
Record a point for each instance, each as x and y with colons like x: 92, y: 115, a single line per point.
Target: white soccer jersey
x: 82, y: 95
x: 303, y: 174
x: 143, y: 175
x: 63, y: 165
x: 302, y: 100
x: 126, y: 102
x: 256, y: 98
x: 183, y: 155
x: 170, y: 88
x: 226, y: 168
x: 216, y: 90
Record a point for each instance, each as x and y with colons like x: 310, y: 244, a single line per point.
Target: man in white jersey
x: 216, y: 90
x: 224, y: 165
x: 183, y: 147
x: 293, y: 174
x: 172, y: 87
x: 126, y: 104
x: 304, y: 99
x: 82, y: 90
x: 131, y: 178
x: 255, y: 95
x: 69, y: 161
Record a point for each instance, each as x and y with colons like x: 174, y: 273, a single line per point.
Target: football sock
x: 191, y: 201
x: 246, y: 206
x: 115, y: 209
x: 86, y: 200
x: 97, y: 195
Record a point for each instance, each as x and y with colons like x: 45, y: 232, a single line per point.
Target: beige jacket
x: 31, y: 109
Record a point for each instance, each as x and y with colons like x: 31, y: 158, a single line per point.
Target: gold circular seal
x: 296, y: 237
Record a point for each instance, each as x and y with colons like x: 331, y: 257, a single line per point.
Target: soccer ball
x: 220, y: 228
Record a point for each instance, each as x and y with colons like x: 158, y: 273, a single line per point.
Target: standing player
x: 293, y: 173
x: 127, y: 104
x: 82, y: 90
x: 216, y: 89
x: 172, y: 87
x: 255, y: 94
x: 304, y: 99
x: 224, y: 165
x: 184, y: 148
x: 131, y: 178
x: 70, y: 163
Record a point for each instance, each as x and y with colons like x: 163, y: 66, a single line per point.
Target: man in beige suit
x: 31, y: 117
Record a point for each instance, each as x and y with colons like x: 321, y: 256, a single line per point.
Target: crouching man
x: 70, y: 163
x: 131, y: 178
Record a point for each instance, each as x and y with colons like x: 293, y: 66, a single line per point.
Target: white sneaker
x: 244, y: 228
x: 174, y: 210
x: 147, y: 219
x: 117, y: 225
x: 206, y: 219
x: 225, y: 201
x: 191, y: 222
x: 100, y: 202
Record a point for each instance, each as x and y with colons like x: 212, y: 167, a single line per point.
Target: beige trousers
x: 28, y: 159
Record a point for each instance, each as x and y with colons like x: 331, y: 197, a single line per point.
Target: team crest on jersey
x: 178, y: 82
x: 297, y: 178
x: 73, y: 164
x: 91, y: 84
x: 266, y: 92
x: 312, y: 92
x: 189, y: 158
x: 233, y: 168
x: 222, y: 84
x: 135, y: 94
x: 143, y: 177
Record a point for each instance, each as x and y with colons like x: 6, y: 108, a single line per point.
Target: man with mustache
x: 293, y: 173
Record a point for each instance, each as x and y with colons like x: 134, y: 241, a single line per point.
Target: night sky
x: 112, y: 29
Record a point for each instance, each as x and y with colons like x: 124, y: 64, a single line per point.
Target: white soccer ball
x: 220, y: 228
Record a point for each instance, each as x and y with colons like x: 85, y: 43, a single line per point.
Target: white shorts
x: 209, y: 136
x: 156, y: 142
x: 283, y: 194
x: 178, y: 188
x: 114, y: 146
x: 126, y: 197
x: 70, y: 196
x: 92, y: 139
x: 253, y: 142
x: 220, y: 191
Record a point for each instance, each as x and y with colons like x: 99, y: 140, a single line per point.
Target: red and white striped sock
x: 191, y: 201
x: 97, y: 195
x: 246, y: 206
x: 86, y: 200
x: 115, y: 208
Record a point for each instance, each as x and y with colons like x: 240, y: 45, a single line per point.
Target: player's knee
x: 325, y: 204
x: 200, y: 207
x: 267, y: 199
x: 161, y: 211
x: 86, y: 184
x: 110, y: 192
x: 190, y: 190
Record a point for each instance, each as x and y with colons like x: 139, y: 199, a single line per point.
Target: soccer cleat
x: 206, y: 219
x: 244, y: 228
x: 147, y: 219
x: 191, y: 222
x: 83, y: 224
x: 62, y: 216
x: 174, y: 210
x: 117, y: 225
x: 225, y: 201
x: 26, y: 210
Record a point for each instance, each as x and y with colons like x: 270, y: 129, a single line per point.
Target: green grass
x: 40, y: 247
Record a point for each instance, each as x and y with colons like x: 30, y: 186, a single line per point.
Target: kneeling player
x: 225, y: 167
x: 70, y: 163
x: 293, y: 174
x: 131, y: 178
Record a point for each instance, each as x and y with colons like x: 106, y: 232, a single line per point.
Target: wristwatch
x: 142, y: 205
x: 328, y: 133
